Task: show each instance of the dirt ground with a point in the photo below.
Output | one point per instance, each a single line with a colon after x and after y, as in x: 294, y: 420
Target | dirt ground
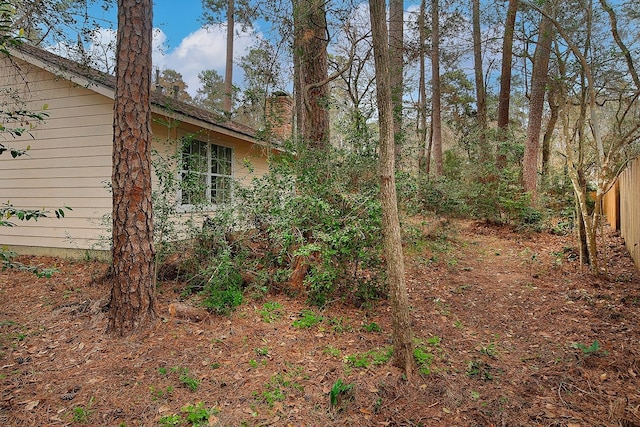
x: 511, y: 330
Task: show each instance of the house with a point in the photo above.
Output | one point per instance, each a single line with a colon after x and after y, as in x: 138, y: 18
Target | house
x: 70, y: 156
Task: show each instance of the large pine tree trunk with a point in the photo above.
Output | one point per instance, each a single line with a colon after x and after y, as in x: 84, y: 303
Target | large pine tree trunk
x: 227, y: 99
x: 311, y: 47
x: 505, y: 80
x: 436, y: 116
x: 402, y: 335
x: 423, y: 165
x: 536, y: 105
x: 133, y: 292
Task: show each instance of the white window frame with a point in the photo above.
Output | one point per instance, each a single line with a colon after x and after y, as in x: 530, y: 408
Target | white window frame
x: 211, y: 175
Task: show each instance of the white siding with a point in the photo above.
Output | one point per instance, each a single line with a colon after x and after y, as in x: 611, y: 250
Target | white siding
x: 68, y: 163
x: 69, y: 160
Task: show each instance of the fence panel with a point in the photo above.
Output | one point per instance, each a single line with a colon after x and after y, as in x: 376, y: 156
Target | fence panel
x: 630, y: 209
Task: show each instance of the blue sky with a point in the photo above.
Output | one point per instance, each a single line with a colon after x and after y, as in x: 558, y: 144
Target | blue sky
x: 180, y: 40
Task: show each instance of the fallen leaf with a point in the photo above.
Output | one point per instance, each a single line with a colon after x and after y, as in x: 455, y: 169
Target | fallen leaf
x: 30, y: 405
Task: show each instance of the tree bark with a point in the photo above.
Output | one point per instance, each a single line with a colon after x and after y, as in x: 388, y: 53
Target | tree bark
x: 554, y: 108
x: 402, y: 334
x: 311, y: 42
x: 505, y: 81
x: 396, y: 69
x: 536, y: 105
x: 436, y: 95
x: 133, y: 302
x: 481, y: 94
x: 227, y: 99
x: 423, y: 166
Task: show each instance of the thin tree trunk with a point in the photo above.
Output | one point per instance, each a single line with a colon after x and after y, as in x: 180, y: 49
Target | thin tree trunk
x: 539, y: 76
x: 423, y: 167
x: 396, y: 68
x: 505, y: 81
x: 402, y: 335
x: 554, y: 108
x: 481, y: 94
x: 133, y: 299
x: 227, y: 99
x: 623, y: 47
x: 436, y: 116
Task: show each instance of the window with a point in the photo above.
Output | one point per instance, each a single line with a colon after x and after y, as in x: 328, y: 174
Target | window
x: 206, y: 173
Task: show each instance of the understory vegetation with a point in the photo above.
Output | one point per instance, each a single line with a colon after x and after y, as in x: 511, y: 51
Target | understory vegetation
x: 311, y: 226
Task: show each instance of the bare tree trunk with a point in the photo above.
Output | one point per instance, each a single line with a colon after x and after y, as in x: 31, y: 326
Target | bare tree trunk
x: 505, y: 81
x: 402, y: 334
x: 227, y: 99
x: 133, y: 302
x: 481, y: 94
x: 423, y: 167
x: 436, y: 116
x: 311, y: 41
x: 554, y: 108
x: 623, y: 47
x: 536, y: 105
x: 396, y: 68
x: 298, y: 101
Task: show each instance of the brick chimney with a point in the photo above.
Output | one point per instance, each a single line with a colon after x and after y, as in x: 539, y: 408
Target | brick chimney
x: 279, y: 110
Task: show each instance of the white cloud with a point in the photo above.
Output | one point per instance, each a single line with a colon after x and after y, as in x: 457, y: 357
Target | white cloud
x: 203, y: 49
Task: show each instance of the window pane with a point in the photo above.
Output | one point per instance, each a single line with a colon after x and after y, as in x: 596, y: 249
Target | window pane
x: 194, y: 168
x: 220, y: 189
x: 221, y: 160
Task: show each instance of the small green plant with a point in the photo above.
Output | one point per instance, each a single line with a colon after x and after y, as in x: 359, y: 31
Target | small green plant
x: 81, y: 414
x: 253, y: 363
x: 273, y: 395
x: 271, y: 311
x: 162, y: 371
x: 340, y: 324
x: 382, y: 356
x: 331, y: 351
x: 186, y: 379
x: 358, y: 360
x: 263, y: 351
x: 372, y: 327
x: 489, y: 350
x: 279, y: 383
x: 198, y: 415
x: 423, y: 360
x: 423, y: 353
x: 170, y: 420
x: 376, y: 357
x: 340, y: 393
x: 308, y: 319
x: 593, y: 349
x: 157, y: 394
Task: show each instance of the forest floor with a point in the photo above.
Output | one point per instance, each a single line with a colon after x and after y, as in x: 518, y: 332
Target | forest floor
x: 512, y: 331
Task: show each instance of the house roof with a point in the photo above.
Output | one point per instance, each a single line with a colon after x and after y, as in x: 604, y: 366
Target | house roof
x: 105, y: 84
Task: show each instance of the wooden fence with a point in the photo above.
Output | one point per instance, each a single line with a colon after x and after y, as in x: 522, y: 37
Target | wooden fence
x: 622, y: 208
